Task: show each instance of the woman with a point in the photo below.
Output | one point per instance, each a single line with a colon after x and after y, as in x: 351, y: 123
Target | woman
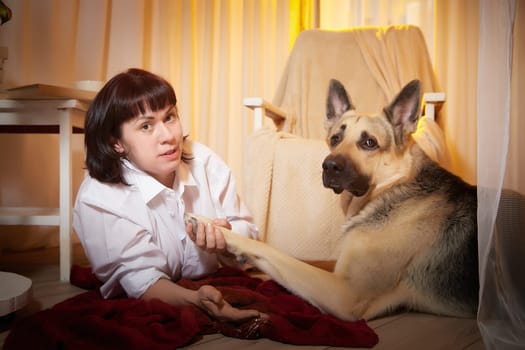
x: 144, y: 174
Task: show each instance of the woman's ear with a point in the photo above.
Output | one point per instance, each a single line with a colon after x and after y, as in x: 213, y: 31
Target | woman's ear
x: 118, y: 147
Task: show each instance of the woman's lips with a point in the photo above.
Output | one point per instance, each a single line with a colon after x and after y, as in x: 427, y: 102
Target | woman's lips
x: 170, y: 154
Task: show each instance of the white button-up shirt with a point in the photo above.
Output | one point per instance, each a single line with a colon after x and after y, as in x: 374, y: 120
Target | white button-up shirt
x: 134, y: 235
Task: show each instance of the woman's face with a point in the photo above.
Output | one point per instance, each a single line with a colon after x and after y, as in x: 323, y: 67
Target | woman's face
x: 153, y: 143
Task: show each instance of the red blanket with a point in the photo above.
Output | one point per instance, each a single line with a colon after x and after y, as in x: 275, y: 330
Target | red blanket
x: 87, y: 321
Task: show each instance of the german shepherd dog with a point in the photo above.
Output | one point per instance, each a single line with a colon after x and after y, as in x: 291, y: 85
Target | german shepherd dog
x: 412, y: 242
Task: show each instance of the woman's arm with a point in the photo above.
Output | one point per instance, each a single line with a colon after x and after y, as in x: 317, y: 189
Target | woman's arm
x: 208, y: 298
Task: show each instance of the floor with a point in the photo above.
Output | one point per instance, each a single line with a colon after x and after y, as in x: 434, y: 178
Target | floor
x: 402, y: 331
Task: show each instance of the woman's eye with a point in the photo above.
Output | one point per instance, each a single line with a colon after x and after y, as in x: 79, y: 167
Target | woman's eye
x: 145, y: 127
x: 171, y: 117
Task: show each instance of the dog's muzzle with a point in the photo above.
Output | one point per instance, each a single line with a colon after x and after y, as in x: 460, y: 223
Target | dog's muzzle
x: 339, y: 174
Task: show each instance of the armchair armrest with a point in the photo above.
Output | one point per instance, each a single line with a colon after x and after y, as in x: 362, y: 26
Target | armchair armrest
x: 433, y: 102
x: 262, y: 108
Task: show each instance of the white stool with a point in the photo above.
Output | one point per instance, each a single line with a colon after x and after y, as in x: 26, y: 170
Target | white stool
x: 15, y: 292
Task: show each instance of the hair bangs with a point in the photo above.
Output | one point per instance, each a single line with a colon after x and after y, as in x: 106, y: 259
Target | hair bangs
x: 139, y: 95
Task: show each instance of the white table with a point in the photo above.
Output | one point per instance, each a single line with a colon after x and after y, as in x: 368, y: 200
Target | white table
x: 48, y: 109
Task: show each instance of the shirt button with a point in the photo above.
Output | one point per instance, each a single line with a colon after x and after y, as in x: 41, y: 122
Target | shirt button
x: 172, y: 213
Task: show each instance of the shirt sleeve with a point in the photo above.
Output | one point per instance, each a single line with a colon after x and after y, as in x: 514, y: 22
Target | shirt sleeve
x: 122, y: 254
x: 227, y: 201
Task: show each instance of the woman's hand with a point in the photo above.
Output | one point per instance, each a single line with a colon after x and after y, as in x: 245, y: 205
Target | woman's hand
x: 207, y: 298
x: 211, y: 301
x: 208, y: 236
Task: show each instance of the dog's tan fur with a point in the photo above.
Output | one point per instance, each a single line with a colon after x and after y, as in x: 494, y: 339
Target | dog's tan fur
x: 409, y: 239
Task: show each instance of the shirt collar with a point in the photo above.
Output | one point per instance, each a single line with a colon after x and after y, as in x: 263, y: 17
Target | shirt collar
x: 149, y: 187
x: 184, y: 178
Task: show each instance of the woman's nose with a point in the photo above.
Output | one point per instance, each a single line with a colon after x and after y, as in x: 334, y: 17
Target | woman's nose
x: 165, y: 133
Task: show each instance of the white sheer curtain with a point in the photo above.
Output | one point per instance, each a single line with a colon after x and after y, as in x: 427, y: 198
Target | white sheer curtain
x: 501, y: 247
x: 336, y: 14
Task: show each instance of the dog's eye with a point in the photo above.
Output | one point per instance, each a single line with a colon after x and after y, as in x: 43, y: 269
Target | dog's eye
x: 368, y: 143
x: 371, y: 143
x: 335, y: 140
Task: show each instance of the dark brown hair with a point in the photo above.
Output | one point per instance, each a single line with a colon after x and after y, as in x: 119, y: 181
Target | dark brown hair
x: 122, y: 98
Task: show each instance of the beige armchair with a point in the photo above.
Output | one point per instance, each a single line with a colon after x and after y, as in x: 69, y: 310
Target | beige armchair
x: 282, y: 169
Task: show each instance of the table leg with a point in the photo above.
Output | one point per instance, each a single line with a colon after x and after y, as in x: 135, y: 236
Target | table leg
x: 65, y: 181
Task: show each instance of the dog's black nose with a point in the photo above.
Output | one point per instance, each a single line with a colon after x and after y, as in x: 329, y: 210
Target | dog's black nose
x: 333, y: 169
x: 333, y: 165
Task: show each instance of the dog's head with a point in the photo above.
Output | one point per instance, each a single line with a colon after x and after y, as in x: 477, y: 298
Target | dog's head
x: 368, y: 150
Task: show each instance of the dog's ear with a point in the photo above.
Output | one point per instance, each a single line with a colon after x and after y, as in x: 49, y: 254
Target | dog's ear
x: 403, y: 112
x: 337, y: 102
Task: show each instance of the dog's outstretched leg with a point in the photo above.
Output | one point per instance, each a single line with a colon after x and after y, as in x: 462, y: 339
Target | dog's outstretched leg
x: 329, y: 292
x: 325, y: 290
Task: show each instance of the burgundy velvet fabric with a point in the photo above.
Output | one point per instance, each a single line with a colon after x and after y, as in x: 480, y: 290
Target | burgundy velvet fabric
x: 87, y: 321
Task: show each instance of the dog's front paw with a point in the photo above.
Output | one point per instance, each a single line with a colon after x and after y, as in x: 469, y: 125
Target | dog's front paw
x: 194, y: 219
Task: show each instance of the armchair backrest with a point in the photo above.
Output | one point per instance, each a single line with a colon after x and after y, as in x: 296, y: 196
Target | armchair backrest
x: 373, y: 63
